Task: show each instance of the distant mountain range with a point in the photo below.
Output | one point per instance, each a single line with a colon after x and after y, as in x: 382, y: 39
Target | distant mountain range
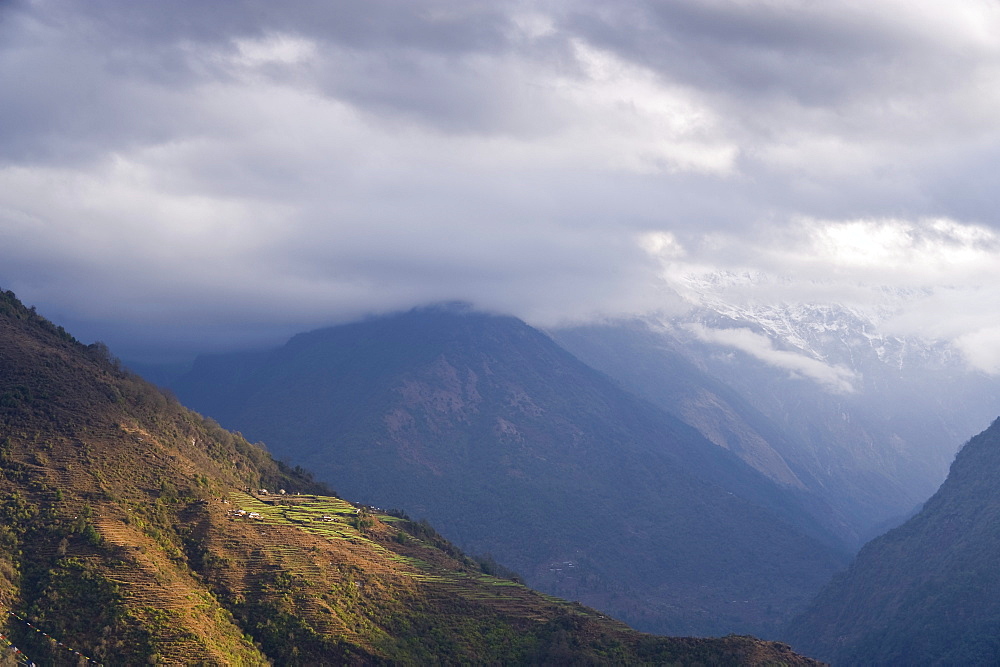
x: 133, y: 531
x: 926, y: 593
x: 816, y: 397
x: 513, y: 447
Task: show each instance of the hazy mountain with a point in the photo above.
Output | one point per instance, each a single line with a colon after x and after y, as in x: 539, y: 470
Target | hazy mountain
x: 638, y: 356
x: 813, y: 396
x: 127, y: 536
x: 926, y: 592
x: 511, y: 446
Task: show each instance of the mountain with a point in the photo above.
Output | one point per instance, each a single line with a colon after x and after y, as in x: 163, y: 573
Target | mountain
x: 513, y: 447
x: 133, y: 531
x: 637, y: 356
x: 925, y: 593
x: 815, y: 396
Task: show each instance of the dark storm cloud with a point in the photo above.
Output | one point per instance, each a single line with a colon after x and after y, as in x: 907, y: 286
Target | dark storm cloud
x: 445, y: 27
x: 883, y: 77
x: 201, y: 174
x: 85, y: 78
x: 819, y: 54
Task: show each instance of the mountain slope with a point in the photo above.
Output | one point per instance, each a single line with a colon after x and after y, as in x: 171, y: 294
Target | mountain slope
x: 666, y: 370
x: 926, y: 592
x: 513, y: 447
x: 812, y: 396
x: 637, y: 357
x: 128, y: 535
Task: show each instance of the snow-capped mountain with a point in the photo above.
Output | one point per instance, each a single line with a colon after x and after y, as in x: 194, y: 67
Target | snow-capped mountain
x: 830, y: 332
x: 817, y: 396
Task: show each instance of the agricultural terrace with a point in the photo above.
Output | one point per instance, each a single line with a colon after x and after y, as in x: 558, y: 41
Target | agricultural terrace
x: 339, y: 520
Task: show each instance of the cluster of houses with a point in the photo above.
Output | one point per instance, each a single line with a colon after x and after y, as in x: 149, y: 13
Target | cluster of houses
x: 559, y: 567
x: 265, y: 492
x: 243, y: 514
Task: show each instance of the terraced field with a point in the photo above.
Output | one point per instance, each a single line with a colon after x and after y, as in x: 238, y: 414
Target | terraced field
x: 167, y: 597
x: 337, y: 520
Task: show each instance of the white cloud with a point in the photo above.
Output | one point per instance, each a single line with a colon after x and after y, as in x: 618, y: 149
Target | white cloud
x: 639, y: 121
x: 982, y: 349
x: 837, y: 379
x: 663, y: 245
x: 873, y: 252
x: 275, y: 48
x: 934, y: 279
x: 926, y: 251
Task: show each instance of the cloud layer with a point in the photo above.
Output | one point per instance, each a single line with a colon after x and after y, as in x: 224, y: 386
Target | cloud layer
x: 836, y: 379
x: 204, y: 176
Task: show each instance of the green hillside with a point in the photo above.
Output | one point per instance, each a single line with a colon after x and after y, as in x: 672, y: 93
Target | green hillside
x: 133, y: 531
x: 925, y: 593
x: 512, y: 447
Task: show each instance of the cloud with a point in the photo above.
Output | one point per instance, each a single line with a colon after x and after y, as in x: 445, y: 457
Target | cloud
x: 244, y: 167
x: 982, y: 348
x: 878, y: 252
x: 932, y: 279
x: 836, y: 379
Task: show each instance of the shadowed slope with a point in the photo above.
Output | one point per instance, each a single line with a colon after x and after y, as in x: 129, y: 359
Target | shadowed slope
x: 926, y: 592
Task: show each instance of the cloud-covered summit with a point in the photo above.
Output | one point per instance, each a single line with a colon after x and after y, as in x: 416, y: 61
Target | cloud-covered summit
x: 204, y: 175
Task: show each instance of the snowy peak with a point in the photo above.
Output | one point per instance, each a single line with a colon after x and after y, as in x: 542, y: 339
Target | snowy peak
x: 836, y: 334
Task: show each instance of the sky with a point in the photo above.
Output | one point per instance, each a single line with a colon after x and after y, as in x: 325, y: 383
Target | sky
x: 201, y: 176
